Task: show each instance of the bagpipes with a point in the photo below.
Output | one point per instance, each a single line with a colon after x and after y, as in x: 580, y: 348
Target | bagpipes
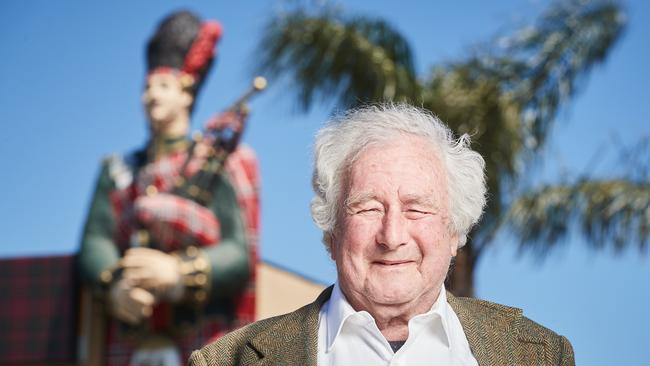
x: 220, y: 138
x: 180, y: 217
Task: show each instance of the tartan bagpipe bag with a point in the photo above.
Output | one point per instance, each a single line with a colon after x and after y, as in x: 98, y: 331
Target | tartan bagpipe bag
x: 174, y: 222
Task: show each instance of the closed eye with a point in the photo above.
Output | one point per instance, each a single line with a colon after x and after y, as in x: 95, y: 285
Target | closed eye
x: 368, y: 210
x: 415, y: 214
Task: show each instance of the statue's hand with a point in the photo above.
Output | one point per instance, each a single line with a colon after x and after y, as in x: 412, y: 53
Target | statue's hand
x: 154, y: 271
x: 128, y: 303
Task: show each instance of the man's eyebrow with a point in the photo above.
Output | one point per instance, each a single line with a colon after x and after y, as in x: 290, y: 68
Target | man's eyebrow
x: 417, y: 199
x: 359, y: 198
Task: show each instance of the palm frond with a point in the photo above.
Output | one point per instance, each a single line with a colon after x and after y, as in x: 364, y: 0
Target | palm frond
x: 356, y: 60
x: 544, y: 64
x: 607, y: 211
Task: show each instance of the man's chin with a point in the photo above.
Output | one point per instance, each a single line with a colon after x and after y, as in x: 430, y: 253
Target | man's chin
x: 393, y: 295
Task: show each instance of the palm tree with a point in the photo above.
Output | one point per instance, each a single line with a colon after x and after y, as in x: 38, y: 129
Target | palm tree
x: 505, y: 96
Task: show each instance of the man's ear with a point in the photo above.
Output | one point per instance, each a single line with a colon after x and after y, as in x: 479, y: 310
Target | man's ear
x: 330, y: 240
x: 453, y: 245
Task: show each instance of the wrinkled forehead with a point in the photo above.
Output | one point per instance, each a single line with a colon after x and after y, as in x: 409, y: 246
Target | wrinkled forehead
x: 428, y: 149
x: 411, y: 160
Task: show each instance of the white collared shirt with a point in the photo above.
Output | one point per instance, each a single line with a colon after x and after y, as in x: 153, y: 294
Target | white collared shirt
x: 349, y: 337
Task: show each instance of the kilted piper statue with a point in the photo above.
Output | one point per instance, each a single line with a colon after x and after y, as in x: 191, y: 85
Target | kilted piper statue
x: 169, y: 241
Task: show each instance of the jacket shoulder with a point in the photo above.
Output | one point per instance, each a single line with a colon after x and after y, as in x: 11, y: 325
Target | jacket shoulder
x: 235, y: 348
x: 481, y: 311
x: 505, y: 319
x: 513, y: 317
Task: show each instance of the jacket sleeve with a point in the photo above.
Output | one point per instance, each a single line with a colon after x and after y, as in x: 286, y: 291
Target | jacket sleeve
x: 98, y: 250
x: 229, y: 259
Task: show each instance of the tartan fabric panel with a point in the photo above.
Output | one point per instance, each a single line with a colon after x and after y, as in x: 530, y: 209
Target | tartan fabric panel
x: 243, y: 171
x: 242, y: 168
x: 38, y: 311
x: 175, y: 222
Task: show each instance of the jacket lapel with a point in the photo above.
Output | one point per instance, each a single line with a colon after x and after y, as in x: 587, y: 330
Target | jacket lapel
x: 294, y: 341
x: 489, y: 329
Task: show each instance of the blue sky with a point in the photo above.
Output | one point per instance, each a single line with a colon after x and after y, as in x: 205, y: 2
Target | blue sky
x: 72, y: 73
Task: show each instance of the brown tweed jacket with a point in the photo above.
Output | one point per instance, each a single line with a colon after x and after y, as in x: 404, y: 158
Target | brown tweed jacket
x: 497, y: 334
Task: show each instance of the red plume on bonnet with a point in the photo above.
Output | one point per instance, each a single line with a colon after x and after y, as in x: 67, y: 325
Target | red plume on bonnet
x: 203, y: 48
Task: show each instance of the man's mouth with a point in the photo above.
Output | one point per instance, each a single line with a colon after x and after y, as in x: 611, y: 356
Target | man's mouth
x: 392, y: 262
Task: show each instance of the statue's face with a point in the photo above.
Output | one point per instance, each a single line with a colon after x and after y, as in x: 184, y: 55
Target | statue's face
x: 167, y: 104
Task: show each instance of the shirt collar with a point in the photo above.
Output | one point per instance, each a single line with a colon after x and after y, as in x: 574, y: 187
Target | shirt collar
x: 339, y: 311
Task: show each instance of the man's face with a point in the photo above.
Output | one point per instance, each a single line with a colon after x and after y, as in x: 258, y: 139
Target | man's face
x: 165, y: 101
x: 393, y: 246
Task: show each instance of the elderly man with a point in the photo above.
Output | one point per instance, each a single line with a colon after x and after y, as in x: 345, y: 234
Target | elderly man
x: 395, y: 197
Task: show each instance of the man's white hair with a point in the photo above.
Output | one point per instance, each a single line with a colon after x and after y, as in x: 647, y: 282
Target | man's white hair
x: 340, y: 142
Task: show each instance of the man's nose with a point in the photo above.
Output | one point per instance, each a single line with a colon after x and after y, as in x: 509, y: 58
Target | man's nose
x: 394, y: 231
